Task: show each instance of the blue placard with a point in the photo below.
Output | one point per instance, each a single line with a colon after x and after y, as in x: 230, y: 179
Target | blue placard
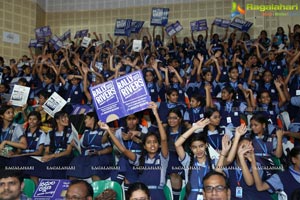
x: 120, y: 97
x: 43, y: 32
x: 177, y: 26
x: 123, y: 27
x: 66, y: 35
x: 48, y: 189
x: 224, y: 23
x: 199, y: 25
x: 174, y: 28
x: 136, y: 26
x: 241, y: 24
x: 32, y: 43
x: 159, y: 16
x: 81, y: 33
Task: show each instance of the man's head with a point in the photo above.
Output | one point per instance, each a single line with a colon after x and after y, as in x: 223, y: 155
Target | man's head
x: 216, y: 186
x: 80, y: 189
x: 11, y: 185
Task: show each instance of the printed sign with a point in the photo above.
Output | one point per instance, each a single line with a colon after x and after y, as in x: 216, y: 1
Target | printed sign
x: 224, y: 23
x: 159, y: 16
x: 54, y: 104
x: 19, y: 95
x: 174, y: 28
x: 136, y: 26
x: 200, y: 25
x: 123, y: 27
x: 48, y: 189
x: 66, y: 35
x: 43, y: 32
x: 120, y: 97
x: 32, y: 43
x: 137, y: 45
x: 241, y: 24
x: 81, y: 33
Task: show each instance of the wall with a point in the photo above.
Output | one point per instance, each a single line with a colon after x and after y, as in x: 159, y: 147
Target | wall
x: 18, y: 16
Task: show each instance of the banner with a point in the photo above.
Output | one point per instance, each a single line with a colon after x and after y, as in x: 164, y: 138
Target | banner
x: 241, y: 24
x: 159, y: 16
x: 174, y: 28
x: 81, y: 33
x: 136, y: 26
x: 48, y: 189
x: 123, y: 27
x: 199, y: 25
x: 224, y: 23
x: 43, y: 32
x: 120, y: 97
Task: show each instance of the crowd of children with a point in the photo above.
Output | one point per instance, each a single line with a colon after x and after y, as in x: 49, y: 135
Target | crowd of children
x: 214, y: 106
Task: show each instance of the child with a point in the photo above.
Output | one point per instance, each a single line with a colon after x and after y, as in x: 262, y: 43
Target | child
x: 198, y: 163
x: 152, y: 163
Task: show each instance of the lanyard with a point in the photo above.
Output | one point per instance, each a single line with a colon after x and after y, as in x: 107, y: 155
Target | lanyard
x: 212, y: 141
x: 263, y: 146
x: 72, y: 90
x: 130, y: 143
x: 199, y: 173
x: 60, y: 144
x: 3, y: 137
x: 238, y: 176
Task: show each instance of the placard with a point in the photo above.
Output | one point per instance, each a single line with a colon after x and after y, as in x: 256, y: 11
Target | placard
x: 123, y: 27
x: 241, y: 24
x: 120, y: 97
x: 49, y: 189
x: 43, y: 32
x: 66, y: 35
x: 54, y: 104
x: 85, y: 42
x: 199, y: 25
x: 81, y: 33
x: 136, y: 26
x: 174, y: 28
x: 32, y: 43
x: 224, y: 23
x: 19, y: 95
x: 137, y: 45
x: 159, y: 16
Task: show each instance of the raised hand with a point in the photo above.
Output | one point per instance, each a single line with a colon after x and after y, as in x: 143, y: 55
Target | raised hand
x: 202, y: 123
x: 241, y: 130
x: 226, y: 144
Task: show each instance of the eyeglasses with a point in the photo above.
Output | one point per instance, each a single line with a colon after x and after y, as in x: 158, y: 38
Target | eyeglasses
x: 218, y: 188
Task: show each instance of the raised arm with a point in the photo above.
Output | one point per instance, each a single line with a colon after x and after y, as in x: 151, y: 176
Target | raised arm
x: 130, y: 155
x: 179, y: 142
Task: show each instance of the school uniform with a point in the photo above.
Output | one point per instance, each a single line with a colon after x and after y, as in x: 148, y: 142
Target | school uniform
x: 154, y: 174
x: 230, y: 112
x: 89, y: 165
x: 198, y: 171
x: 287, y: 181
x: 14, y: 133
x: 271, y: 88
x: 276, y: 67
x: 73, y: 93
x: 55, y: 168
x: 193, y: 115
x: 192, y: 87
x: 153, y: 90
x: 214, y: 91
x: 239, y: 188
x: 239, y: 95
x: 269, y: 111
x: 165, y: 107
x: 214, y: 138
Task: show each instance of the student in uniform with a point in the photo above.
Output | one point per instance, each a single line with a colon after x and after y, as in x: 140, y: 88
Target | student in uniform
x: 172, y: 102
x: 130, y: 135
x: 199, y: 162
x: 213, y: 131
x: 151, y: 163
x: 73, y: 89
x: 95, y: 155
x: 58, y: 150
x: 230, y: 109
x: 265, y: 145
x: 138, y: 190
x: 12, y: 138
x: 287, y: 180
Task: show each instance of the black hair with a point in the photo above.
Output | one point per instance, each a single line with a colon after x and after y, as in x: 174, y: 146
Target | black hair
x: 45, y: 94
x: 89, y: 188
x: 39, y: 118
x: 12, y: 173
x: 58, y: 115
x: 137, y: 186
x: 95, y: 116
x: 199, y: 98
x: 171, y: 90
x: 3, y: 109
x: 215, y: 173
x: 207, y: 114
x: 260, y: 118
x: 294, y: 153
x: 23, y: 80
